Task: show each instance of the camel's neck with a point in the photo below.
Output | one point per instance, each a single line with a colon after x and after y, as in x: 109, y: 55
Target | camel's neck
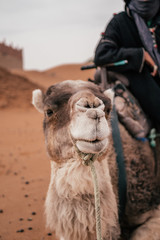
x: 71, y: 187
x: 73, y: 178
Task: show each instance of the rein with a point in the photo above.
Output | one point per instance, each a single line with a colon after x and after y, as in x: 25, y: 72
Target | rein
x: 88, y: 160
x: 122, y: 181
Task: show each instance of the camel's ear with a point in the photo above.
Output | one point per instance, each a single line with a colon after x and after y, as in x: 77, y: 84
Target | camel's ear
x: 37, y: 100
x: 110, y: 94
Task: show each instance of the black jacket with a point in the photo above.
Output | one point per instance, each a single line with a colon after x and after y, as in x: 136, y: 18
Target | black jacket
x: 121, y: 41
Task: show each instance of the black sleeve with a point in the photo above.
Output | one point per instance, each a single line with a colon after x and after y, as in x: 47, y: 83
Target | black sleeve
x: 110, y: 50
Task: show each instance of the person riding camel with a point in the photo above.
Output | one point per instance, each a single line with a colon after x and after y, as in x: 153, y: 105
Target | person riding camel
x: 134, y: 36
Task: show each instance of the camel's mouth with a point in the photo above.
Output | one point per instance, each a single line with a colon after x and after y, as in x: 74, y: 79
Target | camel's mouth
x: 95, y: 146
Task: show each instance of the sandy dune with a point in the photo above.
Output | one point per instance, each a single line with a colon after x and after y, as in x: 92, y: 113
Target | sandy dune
x: 24, y: 164
x: 56, y: 74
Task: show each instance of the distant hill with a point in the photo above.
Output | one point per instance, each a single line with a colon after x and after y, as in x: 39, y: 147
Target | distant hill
x: 56, y: 74
x: 15, y: 91
x: 17, y: 85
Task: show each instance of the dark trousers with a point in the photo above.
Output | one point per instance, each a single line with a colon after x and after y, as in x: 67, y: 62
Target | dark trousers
x: 147, y: 91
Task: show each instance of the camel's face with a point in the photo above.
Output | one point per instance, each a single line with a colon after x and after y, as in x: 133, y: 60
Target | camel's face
x: 76, y: 113
x: 88, y: 126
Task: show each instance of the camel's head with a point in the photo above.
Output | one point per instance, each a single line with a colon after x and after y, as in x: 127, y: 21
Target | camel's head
x: 76, y: 113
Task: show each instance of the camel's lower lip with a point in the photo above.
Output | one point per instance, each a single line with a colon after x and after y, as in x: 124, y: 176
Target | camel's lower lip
x: 95, y: 146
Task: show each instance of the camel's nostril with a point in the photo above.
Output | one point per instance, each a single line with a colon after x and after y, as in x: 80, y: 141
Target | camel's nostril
x: 84, y: 104
x: 89, y: 105
x: 97, y: 102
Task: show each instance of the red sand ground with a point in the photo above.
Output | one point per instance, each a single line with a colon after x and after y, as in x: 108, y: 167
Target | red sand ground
x: 24, y: 164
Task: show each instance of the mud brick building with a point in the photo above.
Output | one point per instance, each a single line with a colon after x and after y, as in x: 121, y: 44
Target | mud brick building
x: 10, y: 57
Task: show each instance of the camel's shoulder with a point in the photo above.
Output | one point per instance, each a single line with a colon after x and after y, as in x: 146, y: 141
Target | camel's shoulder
x: 143, y: 191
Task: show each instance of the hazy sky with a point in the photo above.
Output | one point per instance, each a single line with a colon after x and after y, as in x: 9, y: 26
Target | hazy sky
x: 53, y: 32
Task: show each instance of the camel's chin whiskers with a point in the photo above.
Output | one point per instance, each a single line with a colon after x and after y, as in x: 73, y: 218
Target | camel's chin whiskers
x: 92, y: 146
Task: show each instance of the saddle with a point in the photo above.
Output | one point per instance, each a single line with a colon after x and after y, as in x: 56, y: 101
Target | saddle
x: 129, y: 111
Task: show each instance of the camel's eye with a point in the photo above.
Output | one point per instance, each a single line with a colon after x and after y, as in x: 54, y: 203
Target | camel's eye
x: 49, y: 112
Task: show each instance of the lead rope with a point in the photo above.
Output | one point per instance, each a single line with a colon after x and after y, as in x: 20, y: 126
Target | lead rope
x: 97, y: 201
x: 88, y: 160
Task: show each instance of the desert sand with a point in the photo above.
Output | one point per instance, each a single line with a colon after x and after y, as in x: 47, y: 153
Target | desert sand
x: 24, y: 164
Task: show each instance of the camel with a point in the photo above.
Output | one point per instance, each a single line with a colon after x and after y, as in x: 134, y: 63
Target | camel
x: 77, y: 118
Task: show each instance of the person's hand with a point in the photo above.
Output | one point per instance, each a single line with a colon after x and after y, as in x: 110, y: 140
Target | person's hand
x: 148, y: 59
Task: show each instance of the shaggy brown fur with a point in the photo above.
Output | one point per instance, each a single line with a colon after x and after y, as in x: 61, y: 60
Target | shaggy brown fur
x: 70, y: 200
